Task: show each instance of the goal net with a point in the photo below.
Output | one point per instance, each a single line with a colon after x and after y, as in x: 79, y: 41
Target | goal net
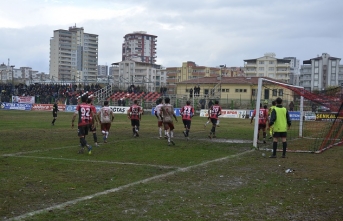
x: 316, y: 116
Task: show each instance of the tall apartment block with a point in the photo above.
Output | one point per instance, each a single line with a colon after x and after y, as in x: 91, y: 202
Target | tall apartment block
x: 74, y: 55
x: 140, y: 47
x: 320, y: 72
x: 268, y: 66
x: 102, y: 71
x: 294, y: 70
x: 148, y: 76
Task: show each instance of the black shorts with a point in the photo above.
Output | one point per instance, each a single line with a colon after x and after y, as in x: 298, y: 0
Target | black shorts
x: 214, y: 121
x: 187, y: 123
x: 82, y: 130
x: 54, y: 114
x: 91, y: 127
x: 134, y: 122
x: 280, y: 134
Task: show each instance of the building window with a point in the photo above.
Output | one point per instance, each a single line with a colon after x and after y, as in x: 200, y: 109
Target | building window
x: 333, y: 63
x: 261, y: 68
x: 261, y: 62
x: 316, y: 70
x: 271, y: 62
x: 333, y: 70
x: 315, y: 83
x: 266, y: 94
x: 240, y: 90
x: 316, y: 63
x: 271, y: 69
x: 316, y: 76
x: 253, y: 92
x: 227, y: 90
x: 274, y: 92
x: 281, y: 92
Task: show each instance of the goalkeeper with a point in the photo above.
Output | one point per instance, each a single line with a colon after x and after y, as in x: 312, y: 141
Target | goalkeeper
x: 281, y: 121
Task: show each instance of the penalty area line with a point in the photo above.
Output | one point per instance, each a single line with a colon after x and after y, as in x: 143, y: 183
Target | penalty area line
x: 100, y: 161
x: 81, y: 199
x: 35, y: 151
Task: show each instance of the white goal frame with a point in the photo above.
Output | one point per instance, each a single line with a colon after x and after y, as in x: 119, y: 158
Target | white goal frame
x: 257, y: 108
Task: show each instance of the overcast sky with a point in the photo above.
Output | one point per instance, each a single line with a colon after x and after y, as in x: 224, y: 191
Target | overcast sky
x: 208, y: 32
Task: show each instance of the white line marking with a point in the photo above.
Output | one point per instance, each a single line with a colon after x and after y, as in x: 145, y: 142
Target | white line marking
x: 101, y: 161
x: 59, y: 148
x: 62, y: 205
x: 35, y: 151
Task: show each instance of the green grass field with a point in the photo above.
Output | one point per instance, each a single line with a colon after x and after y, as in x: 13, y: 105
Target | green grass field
x: 43, y: 178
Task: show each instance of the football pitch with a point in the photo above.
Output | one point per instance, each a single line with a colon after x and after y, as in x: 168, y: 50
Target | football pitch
x: 142, y: 178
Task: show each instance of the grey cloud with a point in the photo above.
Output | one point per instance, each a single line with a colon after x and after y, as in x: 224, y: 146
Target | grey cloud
x: 209, y: 32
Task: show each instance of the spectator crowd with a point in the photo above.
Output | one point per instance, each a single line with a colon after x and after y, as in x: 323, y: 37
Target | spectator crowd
x: 46, y: 93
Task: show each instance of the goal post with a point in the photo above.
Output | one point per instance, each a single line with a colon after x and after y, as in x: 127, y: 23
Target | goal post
x: 258, y: 101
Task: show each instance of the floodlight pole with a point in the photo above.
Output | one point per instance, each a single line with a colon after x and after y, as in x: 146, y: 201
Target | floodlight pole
x: 12, y: 66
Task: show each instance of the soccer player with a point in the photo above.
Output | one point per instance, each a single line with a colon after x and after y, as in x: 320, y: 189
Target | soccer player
x: 54, y: 113
x: 84, y: 112
x: 187, y: 112
x: 214, y: 112
x: 209, y: 120
x: 134, y: 113
x: 262, y: 121
x: 93, y: 121
x: 269, y: 113
x: 167, y: 111
x: 281, y: 121
x: 159, y: 118
x: 106, y: 117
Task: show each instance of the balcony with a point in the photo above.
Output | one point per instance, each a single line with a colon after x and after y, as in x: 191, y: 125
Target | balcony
x: 64, y: 50
x: 65, y: 35
x: 65, y: 63
x: 250, y: 65
x: 199, y: 74
x: 281, y: 65
x: 64, y: 59
x: 282, y: 71
x: 250, y: 71
x: 171, y: 74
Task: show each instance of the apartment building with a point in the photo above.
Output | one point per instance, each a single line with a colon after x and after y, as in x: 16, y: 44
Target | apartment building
x: 147, y: 76
x: 140, y: 47
x: 268, y: 66
x: 74, y: 55
x: 321, y: 72
x: 102, y: 71
x: 294, y: 70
